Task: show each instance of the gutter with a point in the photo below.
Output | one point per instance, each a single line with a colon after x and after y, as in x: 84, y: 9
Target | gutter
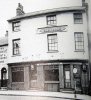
x: 48, y: 11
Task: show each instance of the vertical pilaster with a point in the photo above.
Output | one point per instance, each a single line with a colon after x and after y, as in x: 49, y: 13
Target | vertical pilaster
x: 9, y: 78
x: 61, y: 76
x: 40, y: 77
x: 72, y: 78
x: 26, y: 77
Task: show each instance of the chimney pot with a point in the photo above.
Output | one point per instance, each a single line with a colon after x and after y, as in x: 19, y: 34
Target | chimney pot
x: 19, y: 10
x: 6, y: 35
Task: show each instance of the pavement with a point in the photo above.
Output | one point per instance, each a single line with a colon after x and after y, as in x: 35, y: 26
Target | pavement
x: 36, y: 93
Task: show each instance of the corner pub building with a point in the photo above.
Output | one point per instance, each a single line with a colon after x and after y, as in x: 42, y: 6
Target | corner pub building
x: 48, y: 49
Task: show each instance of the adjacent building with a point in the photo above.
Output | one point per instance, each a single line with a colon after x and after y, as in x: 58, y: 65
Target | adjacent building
x: 88, y: 3
x: 3, y: 61
x: 48, y: 50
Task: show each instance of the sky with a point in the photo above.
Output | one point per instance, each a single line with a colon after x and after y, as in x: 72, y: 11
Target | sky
x: 8, y: 8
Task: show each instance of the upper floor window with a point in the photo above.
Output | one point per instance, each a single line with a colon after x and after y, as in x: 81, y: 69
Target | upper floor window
x: 79, y: 41
x: 16, y: 46
x: 52, y: 42
x: 51, y: 20
x: 78, y: 18
x: 16, y: 26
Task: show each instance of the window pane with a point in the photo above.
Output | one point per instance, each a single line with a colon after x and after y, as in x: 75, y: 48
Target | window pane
x: 51, y: 73
x: 78, y: 18
x: 67, y: 74
x: 16, y: 47
x: 17, y: 74
x: 51, y: 20
x: 79, y: 41
x: 52, y: 42
x: 16, y: 26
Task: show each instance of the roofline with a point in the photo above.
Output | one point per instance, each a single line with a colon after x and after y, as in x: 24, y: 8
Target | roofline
x: 48, y: 11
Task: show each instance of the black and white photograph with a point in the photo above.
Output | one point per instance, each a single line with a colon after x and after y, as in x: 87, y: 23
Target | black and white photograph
x: 45, y: 49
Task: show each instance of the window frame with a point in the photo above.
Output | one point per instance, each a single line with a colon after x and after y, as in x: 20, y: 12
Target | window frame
x: 50, y: 71
x: 79, y: 43
x: 78, y: 18
x: 51, y: 20
x: 50, y: 50
x: 15, y: 70
x: 14, y: 48
x: 15, y: 27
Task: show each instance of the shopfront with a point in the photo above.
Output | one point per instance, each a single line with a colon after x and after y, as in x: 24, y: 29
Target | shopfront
x: 49, y: 77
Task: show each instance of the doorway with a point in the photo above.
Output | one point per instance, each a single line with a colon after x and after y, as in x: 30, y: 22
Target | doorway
x: 3, y: 77
x: 67, y: 76
x: 33, y: 77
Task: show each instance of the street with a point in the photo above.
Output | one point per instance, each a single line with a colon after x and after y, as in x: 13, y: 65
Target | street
x: 39, y: 95
x: 8, y: 97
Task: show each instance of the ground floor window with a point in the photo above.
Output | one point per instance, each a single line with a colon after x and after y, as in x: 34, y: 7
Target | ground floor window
x: 51, y: 72
x: 17, y: 74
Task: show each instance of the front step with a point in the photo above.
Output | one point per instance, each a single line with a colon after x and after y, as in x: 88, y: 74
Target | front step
x: 67, y: 90
x: 3, y: 88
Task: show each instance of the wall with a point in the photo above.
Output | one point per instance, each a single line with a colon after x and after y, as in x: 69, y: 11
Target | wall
x: 34, y: 45
x: 3, y: 58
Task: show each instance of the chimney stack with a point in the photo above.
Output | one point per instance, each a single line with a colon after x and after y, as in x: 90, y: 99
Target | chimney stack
x: 83, y: 2
x: 19, y: 10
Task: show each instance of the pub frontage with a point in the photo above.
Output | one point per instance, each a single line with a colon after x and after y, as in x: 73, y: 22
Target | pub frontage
x: 48, y: 51
x: 49, y: 76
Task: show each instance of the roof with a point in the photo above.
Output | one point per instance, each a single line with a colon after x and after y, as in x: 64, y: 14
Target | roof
x: 3, y: 41
x: 48, y: 11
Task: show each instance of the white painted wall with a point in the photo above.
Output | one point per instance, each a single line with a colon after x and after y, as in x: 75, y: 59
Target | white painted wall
x: 34, y: 46
x: 3, y: 62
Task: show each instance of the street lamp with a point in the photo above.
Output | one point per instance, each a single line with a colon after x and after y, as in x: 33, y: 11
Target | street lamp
x: 75, y: 71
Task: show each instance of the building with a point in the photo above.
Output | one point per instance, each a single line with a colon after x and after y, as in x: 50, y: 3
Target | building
x: 88, y: 3
x: 3, y: 61
x: 48, y: 50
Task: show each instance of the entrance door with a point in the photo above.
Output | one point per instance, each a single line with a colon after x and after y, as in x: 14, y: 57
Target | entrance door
x: 67, y: 77
x: 33, y: 77
x: 3, y: 77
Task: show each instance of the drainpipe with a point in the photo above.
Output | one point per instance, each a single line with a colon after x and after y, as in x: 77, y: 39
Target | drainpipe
x: 88, y: 34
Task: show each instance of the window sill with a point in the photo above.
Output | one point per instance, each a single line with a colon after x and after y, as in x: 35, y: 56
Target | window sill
x: 79, y: 51
x: 51, y: 81
x: 51, y: 25
x: 17, y: 82
x: 15, y: 55
x: 78, y: 23
x: 52, y: 51
x: 17, y: 31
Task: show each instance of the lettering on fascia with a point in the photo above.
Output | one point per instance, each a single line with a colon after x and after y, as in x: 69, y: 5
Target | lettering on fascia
x: 62, y: 28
